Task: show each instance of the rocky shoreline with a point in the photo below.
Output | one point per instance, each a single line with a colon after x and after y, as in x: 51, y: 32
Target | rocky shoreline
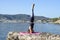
x: 41, y: 36
x: 57, y: 22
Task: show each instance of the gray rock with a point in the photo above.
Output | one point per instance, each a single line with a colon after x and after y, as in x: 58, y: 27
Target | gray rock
x: 41, y: 36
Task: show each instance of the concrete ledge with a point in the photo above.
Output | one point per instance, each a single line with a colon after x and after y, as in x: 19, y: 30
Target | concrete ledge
x: 41, y: 36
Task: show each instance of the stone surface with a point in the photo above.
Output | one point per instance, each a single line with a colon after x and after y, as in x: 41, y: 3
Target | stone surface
x: 41, y: 36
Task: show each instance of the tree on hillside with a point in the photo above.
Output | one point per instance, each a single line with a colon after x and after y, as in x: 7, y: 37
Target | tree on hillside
x: 55, y: 19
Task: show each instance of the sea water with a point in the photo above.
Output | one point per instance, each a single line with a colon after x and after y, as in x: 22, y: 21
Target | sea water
x: 23, y: 27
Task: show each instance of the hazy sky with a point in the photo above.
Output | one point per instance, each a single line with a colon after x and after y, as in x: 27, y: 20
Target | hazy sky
x: 47, y: 8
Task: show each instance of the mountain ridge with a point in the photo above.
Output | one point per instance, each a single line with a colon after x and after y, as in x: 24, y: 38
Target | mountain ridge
x: 21, y: 17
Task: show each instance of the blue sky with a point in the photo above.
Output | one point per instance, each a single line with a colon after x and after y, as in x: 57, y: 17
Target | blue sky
x: 47, y: 8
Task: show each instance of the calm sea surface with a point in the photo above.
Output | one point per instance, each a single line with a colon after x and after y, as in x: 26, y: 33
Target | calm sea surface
x: 23, y: 27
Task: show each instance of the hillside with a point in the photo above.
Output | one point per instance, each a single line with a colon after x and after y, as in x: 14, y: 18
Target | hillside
x: 21, y: 17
